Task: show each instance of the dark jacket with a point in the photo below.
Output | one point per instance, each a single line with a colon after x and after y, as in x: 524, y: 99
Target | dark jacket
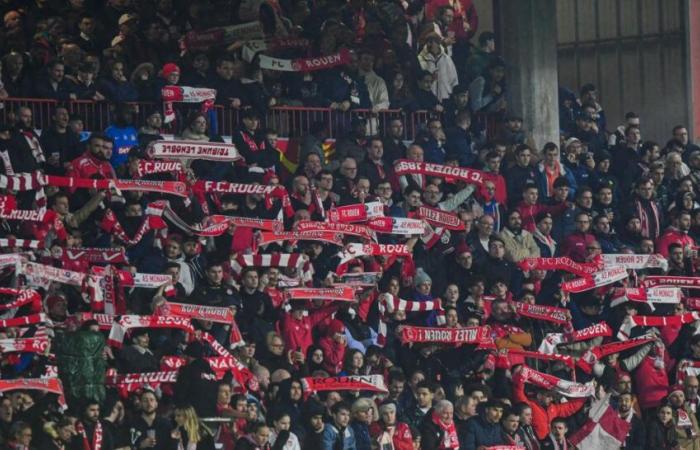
x: 479, y: 432
x: 196, y: 384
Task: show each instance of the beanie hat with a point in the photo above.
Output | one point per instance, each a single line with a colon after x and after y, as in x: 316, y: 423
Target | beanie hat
x: 169, y: 69
x: 336, y: 326
x: 421, y: 277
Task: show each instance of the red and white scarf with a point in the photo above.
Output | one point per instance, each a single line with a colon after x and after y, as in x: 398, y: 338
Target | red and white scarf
x: 595, y: 354
x: 397, y: 225
x: 646, y: 220
x: 210, y: 151
x: 353, y: 251
x: 596, y: 280
x: 470, y: 335
x: 388, y: 304
x: 654, y: 321
x: 663, y: 280
x: 344, y: 228
x: 450, y: 174
x: 152, y: 167
x: 331, y: 237
x: 96, y: 437
x: 440, y: 218
x: 550, y: 342
x: 164, y: 187
x: 358, y: 212
x: 564, y: 387
x: 649, y: 296
x: 298, y: 261
x: 252, y: 47
x: 127, y: 322
x: 220, y: 36
x: 152, y: 221
x: 338, y: 293
x: 561, y: 263
x: 371, y: 383
x: 27, y: 244
x: 450, y: 440
x: 30, y: 345
x: 24, y: 297
x: 635, y: 262
x: 305, y: 64
x: 202, y: 312
x: 507, y: 358
x: 185, y: 94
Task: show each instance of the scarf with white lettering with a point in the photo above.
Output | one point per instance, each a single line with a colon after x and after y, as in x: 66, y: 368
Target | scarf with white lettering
x: 331, y: 237
x: 24, y: 297
x: 202, y: 312
x: 371, y: 383
x: 358, y: 212
x: 596, y: 280
x: 345, y: 228
x: 550, y: 342
x: 635, y: 262
x: 210, y: 151
x: 480, y: 336
x: 352, y: 251
x: 127, y: 322
x: 450, y: 174
x: 668, y: 295
x: 663, y: 280
x: 157, y: 166
x: 440, y: 218
x: 564, y: 387
x: 186, y: 94
x: 338, y: 293
x: 561, y: 263
x: 306, y: 64
x: 397, y: 225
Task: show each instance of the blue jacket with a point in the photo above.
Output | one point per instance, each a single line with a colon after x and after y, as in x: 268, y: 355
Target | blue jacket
x: 362, y: 439
x: 478, y: 432
x: 330, y: 434
x: 124, y: 139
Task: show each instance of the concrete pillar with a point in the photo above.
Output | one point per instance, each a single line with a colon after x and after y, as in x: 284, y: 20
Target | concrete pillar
x: 692, y: 36
x: 528, y: 37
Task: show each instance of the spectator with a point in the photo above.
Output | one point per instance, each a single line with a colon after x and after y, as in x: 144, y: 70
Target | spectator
x: 434, y: 59
x: 337, y: 434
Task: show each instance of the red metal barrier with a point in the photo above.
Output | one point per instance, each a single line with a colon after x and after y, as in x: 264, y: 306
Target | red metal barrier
x: 288, y: 121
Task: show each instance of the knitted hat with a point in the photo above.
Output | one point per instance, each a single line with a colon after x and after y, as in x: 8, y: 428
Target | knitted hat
x: 675, y: 388
x: 336, y: 326
x: 421, y: 277
x: 168, y: 69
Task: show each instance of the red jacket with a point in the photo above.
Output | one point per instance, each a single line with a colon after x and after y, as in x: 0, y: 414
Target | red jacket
x: 574, y: 246
x: 87, y: 165
x: 333, y: 354
x: 672, y: 235
x: 528, y: 213
x: 651, y: 382
x: 541, y: 418
x: 401, y: 439
x: 297, y: 333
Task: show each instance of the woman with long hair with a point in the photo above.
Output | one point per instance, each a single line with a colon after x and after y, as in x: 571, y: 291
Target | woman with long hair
x: 190, y: 433
x: 660, y: 430
x: 353, y: 363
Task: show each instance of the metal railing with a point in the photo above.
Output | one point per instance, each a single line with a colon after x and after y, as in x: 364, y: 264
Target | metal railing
x: 288, y: 121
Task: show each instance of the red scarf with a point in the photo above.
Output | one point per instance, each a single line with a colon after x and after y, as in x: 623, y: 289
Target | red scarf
x: 449, y: 440
x: 96, y: 436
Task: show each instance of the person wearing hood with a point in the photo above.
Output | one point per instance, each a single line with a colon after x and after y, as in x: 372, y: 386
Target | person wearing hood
x: 196, y: 382
x: 334, y: 344
x: 434, y: 59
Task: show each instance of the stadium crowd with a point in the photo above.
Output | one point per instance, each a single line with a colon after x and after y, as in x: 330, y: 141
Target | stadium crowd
x: 516, y: 296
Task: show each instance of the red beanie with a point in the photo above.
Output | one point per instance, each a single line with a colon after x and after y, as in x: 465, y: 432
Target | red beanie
x: 336, y: 326
x: 168, y: 69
